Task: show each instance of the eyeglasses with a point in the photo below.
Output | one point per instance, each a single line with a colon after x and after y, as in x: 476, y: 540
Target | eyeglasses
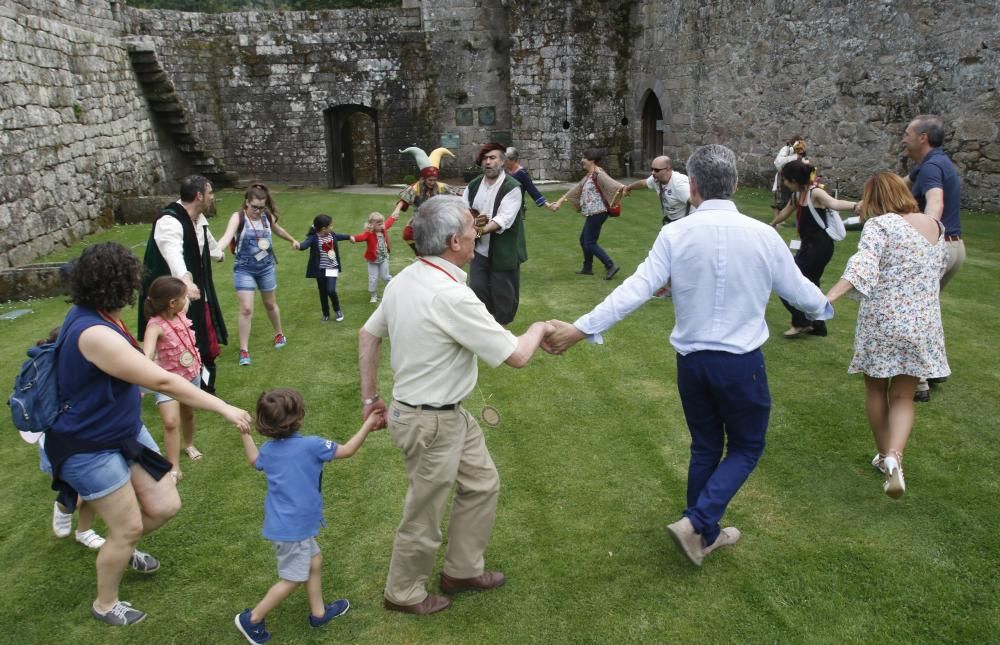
x: 658, y: 169
x: 256, y: 208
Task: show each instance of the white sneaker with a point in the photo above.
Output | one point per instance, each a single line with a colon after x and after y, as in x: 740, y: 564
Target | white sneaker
x: 62, y: 523
x: 373, y: 299
x: 894, y: 485
x: 878, y: 462
x: 90, y: 539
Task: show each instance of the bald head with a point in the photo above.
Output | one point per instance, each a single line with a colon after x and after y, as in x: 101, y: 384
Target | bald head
x: 661, y: 168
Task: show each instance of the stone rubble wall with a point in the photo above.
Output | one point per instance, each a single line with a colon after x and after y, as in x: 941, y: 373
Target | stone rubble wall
x: 849, y: 75
x: 468, y: 63
x: 75, y: 127
x: 569, y: 80
x: 257, y: 84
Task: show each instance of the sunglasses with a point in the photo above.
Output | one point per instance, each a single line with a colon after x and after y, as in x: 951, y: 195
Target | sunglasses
x: 658, y: 169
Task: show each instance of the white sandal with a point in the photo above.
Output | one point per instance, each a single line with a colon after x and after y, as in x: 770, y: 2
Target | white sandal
x: 894, y: 485
x: 90, y: 539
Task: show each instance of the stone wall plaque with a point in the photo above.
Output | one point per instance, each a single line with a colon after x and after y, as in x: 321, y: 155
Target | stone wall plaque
x: 487, y: 115
x: 463, y: 116
x: 449, y: 140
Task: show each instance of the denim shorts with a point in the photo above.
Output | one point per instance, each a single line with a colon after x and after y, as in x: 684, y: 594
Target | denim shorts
x: 98, y: 474
x: 163, y: 398
x: 294, y: 558
x: 255, y: 275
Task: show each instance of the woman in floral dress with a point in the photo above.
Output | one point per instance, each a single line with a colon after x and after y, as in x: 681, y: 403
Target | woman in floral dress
x: 899, y: 337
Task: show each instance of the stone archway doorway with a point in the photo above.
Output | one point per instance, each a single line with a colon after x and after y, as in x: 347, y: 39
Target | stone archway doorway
x: 352, y: 142
x: 652, y: 129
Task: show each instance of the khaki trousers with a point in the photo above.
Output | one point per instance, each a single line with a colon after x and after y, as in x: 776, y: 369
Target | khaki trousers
x: 440, y: 448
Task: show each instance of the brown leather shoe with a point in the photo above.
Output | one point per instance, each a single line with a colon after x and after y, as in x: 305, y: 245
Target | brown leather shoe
x: 488, y: 580
x: 429, y: 605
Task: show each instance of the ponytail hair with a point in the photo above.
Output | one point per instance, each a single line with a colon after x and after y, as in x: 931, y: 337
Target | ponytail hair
x: 160, y: 293
x: 320, y: 221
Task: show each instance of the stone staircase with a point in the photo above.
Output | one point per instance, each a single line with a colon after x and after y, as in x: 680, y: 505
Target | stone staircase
x: 169, y: 112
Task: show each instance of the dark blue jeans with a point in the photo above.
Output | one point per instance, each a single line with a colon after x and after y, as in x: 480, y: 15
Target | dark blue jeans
x: 727, y: 405
x: 588, y: 242
x: 328, y: 290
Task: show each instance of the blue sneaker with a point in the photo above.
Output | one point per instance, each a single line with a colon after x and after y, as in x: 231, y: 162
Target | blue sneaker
x: 253, y: 633
x: 334, y: 609
x: 280, y: 341
x: 244, y: 357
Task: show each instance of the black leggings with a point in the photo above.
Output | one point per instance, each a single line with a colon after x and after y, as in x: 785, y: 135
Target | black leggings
x: 811, y: 259
x: 328, y: 289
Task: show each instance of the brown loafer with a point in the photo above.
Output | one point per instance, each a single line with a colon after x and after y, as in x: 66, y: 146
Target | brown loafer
x: 429, y: 605
x: 485, y: 582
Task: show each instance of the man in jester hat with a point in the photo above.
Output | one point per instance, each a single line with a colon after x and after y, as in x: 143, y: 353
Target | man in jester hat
x: 425, y: 187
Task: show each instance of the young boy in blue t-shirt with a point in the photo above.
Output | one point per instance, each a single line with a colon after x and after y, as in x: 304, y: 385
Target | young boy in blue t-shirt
x: 293, y: 507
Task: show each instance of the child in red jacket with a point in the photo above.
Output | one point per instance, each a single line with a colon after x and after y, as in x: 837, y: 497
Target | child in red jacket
x: 377, y: 252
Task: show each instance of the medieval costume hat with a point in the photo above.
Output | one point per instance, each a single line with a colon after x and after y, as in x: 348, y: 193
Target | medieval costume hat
x: 429, y: 165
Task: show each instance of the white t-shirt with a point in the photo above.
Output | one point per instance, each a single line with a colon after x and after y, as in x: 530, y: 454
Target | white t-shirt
x: 674, y: 195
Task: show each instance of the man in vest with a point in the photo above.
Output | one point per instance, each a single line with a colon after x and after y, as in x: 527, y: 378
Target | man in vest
x: 497, y: 201
x: 181, y: 245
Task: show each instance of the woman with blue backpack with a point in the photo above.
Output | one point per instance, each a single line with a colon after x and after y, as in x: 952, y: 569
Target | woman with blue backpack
x: 97, y: 444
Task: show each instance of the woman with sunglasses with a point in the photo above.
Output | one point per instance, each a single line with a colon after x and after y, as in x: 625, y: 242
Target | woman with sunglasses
x: 249, y: 235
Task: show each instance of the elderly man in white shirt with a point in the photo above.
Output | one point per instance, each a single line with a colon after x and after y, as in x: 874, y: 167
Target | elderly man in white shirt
x: 724, y: 266
x: 180, y: 245
x: 437, y: 328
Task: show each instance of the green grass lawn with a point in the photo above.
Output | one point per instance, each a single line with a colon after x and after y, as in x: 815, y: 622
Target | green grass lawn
x: 592, y: 454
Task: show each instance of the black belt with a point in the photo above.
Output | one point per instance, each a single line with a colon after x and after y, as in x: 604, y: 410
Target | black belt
x: 450, y: 406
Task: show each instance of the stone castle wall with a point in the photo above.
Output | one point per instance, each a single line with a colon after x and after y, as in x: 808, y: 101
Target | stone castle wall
x: 76, y: 131
x: 848, y: 75
x: 569, y: 80
x: 258, y: 84
x: 550, y: 77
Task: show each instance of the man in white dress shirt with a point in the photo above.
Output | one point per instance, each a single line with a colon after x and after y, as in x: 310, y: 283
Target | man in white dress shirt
x: 723, y: 266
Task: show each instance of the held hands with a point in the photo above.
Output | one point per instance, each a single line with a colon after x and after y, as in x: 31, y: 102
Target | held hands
x: 563, y: 336
x: 375, y: 421
x: 378, y: 410
x: 194, y: 293
x: 239, y: 418
x: 295, y: 245
x: 481, y: 220
x: 554, y: 206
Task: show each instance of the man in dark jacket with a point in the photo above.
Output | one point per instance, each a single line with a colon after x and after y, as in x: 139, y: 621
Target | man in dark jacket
x: 181, y: 245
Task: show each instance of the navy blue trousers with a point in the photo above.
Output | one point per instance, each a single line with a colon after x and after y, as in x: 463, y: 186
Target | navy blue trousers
x: 726, y: 404
x: 588, y: 242
x: 328, y: 291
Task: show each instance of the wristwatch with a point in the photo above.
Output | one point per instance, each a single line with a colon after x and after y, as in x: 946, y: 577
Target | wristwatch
x: 371, y: 400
